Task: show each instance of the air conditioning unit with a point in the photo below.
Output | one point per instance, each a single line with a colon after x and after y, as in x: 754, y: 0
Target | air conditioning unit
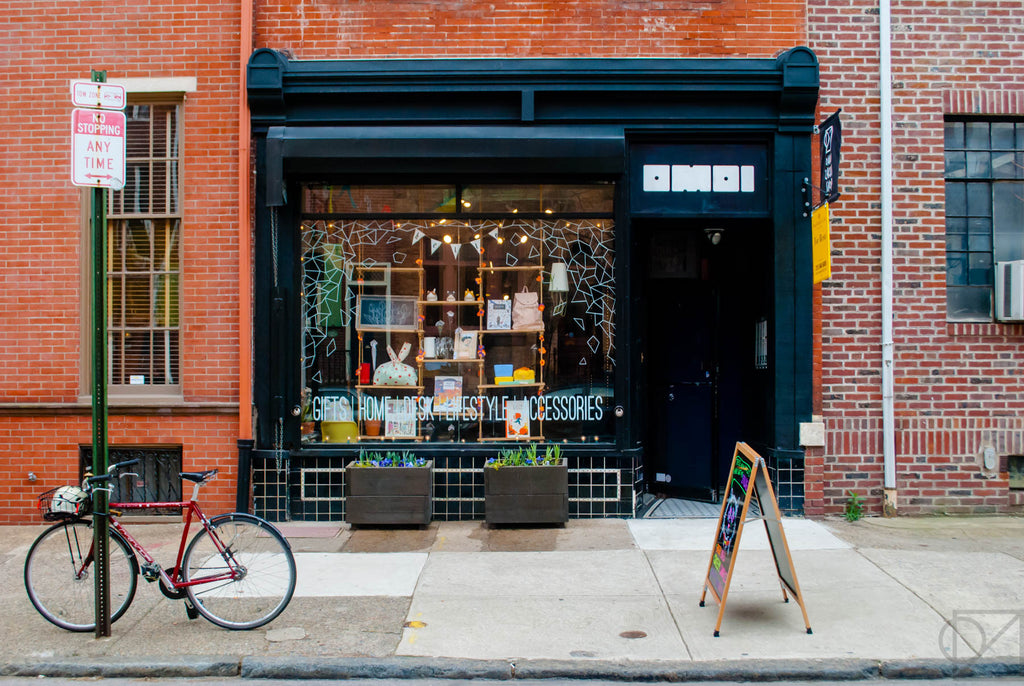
x: 1010, y: 291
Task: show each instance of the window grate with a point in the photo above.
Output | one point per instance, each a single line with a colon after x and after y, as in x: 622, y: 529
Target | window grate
x: 158, y: 472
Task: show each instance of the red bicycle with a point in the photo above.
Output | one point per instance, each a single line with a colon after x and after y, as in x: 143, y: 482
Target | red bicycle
x: 238, y: 571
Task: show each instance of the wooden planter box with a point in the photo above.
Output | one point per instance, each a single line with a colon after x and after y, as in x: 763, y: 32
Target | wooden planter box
x: 527, y: 495
x: 389, y: 495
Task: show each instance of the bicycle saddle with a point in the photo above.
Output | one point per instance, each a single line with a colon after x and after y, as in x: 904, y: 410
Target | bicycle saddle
x: 199, y: 477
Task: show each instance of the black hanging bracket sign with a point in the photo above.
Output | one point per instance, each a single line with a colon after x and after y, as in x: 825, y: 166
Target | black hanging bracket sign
x: 830, y: 140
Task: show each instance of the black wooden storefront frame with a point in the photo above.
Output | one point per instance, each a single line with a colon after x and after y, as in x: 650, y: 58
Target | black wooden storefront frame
x: 541, y: 120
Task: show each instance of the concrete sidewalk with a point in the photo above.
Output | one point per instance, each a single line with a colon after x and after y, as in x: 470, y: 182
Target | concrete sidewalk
x: 606, y: 598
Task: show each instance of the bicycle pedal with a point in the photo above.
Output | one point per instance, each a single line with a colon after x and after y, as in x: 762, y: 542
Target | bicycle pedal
x: 191, y: 611
x: 151, y: 572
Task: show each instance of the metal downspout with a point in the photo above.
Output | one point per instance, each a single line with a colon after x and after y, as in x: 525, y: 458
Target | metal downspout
x: 245, y: 431
x: 885, y: 134
x: 245, y: 416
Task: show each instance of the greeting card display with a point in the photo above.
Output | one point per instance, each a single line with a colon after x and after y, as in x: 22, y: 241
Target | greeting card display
x: 465, y: 345
x: 517, y: 418
x: 447, y: 394
x: 499, y: 315
x: 399, y: 417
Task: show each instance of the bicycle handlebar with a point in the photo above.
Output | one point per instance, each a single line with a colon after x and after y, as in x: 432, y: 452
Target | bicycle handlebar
x: 111, y: 471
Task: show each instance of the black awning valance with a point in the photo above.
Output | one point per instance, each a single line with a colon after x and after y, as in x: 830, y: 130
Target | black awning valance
x: 591, y: 150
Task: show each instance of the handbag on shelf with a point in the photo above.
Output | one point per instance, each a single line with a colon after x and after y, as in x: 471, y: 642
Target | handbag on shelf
x: 395, y: 372
x: 526, y: 313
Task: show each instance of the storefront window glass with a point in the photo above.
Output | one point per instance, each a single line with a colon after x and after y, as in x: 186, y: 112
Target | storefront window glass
x: 348, y: 199
x: 460, y: 329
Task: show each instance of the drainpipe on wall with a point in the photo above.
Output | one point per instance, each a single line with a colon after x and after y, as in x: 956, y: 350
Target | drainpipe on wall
x: 245, y: 431
x: 885, y: 126
x: 245, y: 419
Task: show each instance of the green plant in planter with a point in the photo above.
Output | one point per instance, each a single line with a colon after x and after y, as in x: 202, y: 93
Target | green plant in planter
x: 389, y: 459
x: 517, y: 492
x: 526, y: 457
x: 388, y: 488
x: 854, y: 509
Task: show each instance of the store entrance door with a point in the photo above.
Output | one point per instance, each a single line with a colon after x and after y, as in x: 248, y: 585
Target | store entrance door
x: 682, y: 367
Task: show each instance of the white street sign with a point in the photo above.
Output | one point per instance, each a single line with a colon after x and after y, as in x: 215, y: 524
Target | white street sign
x: 107, y: 96
x: 98, y: 148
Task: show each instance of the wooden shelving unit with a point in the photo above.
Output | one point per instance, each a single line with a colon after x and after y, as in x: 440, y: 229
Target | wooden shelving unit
x: 457, y: 275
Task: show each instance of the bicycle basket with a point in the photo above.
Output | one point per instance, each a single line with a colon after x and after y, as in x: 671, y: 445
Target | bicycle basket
x: 64, y: 502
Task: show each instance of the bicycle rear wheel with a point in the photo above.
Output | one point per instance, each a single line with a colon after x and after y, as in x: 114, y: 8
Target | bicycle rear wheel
x: 59, y: 575
x: 266, y: 566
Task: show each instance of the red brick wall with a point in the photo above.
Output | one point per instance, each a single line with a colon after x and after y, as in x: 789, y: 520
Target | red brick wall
x: 46, y: 45
x: 53, y: 447
x: 530, y: 28
x: 958, y: 387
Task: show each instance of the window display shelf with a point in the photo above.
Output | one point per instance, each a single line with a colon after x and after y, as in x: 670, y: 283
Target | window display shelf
x: 390, y: 438
x: 487, y: 386
x: 497, y: 439
x: 474, y: 303
x: 450, y: 360
x: 508, y: 331
x: 516, y: 268
x: 372, y: 387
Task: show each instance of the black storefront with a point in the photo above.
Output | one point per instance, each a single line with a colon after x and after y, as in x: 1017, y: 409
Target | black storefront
x: 657, y: 209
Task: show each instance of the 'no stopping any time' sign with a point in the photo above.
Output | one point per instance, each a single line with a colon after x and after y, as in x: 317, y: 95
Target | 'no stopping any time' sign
x: 98, y: 148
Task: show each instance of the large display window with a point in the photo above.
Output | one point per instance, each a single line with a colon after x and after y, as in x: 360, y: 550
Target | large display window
x: 458, y: 313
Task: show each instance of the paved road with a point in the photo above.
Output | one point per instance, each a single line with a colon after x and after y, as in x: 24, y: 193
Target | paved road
x: 34, y: 681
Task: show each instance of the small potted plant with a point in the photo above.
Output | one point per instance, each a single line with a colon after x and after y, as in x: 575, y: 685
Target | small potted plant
x: 522, y: 487
x: 388, y: 489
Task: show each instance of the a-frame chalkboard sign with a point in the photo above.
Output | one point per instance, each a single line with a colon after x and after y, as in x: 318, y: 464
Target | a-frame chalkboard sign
x: 748, y: 480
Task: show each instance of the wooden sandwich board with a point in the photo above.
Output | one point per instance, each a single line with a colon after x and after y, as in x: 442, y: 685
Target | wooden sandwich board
x: 748, y: 480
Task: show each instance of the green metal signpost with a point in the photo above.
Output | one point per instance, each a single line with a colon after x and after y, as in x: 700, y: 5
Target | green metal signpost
x: 99, y: 399
x: 98, y: 161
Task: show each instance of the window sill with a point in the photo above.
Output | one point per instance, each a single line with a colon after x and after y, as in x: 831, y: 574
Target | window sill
x: 134, y: 406
x: 984, y: 329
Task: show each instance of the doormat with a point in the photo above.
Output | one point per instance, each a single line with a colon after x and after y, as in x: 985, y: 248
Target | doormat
x: 675, y: 508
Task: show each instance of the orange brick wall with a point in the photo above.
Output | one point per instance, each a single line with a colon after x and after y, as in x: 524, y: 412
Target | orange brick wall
x: 46, y: 45
x: 49, y: 448
x: 530, y: 28
x: 958, y: 386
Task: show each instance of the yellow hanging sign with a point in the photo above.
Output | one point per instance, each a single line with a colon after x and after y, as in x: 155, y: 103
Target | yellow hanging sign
x: 821, y: 248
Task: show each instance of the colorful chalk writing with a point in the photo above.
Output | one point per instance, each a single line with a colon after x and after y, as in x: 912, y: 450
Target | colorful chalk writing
x: 725, y: 543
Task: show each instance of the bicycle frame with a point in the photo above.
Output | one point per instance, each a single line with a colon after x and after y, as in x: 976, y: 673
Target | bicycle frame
x: 190, y: 509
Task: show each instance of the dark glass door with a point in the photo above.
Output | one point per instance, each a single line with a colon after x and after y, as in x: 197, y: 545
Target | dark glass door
x: 681, y: 361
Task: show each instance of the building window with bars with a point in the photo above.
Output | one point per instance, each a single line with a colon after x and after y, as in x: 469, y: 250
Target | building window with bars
x: 144, y: 253
x: 984, y: 210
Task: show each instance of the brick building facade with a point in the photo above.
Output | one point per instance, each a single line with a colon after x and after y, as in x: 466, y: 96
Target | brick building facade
x: 168, y: 54
x: 957, y: 386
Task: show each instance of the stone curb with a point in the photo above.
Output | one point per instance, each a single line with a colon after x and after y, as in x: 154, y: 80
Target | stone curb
x: 726, y: 670
x: 397, y: 668
x: 373, y: 668
x: 179, y: 666
x: 943, y: 669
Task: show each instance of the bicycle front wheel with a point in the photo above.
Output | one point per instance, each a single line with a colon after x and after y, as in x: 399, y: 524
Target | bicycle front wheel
x: 59, y: 575
x: 255, y: 554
